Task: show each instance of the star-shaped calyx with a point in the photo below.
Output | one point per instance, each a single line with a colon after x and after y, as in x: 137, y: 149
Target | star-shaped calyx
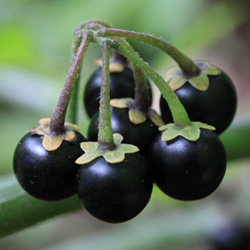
x: 176, y: 78
x: 136, y: 116
x: 190, y: 132
x: 52, y: 142
x: 92, y: 151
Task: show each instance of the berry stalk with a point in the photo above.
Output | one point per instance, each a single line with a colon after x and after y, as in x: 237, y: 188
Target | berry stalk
x: 142, y: 98
x: 105, y: 134
x: 178, y: 111
x: 72, y: 113
x: 186, y: 64
x: 58, y: 117
x: 73, y: 109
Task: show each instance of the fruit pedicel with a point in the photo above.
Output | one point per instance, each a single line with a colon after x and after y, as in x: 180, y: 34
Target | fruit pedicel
x: 128, y: 145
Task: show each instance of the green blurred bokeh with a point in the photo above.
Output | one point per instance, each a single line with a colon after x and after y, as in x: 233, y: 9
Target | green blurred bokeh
x: 35, y: 50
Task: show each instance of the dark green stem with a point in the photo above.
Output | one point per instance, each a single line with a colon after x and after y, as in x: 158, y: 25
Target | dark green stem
x: 58, y: 117
x: 105, y: 134
x: 186, y: 64
x: 179, y: 113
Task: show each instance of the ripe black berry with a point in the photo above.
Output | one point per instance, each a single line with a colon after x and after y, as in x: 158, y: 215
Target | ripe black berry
x: 188, y: 170
x: 216, y: 106
x: 115, y: 192
x: 47, y: 175
x: 122, y: 84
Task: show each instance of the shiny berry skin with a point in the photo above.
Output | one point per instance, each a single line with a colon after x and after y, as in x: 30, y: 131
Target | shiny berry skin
x: 47, y: 175
x: 140, y: 135
x: 122, y: 84
x: 186, y: 170
x: 216, y: 106
x: 117, y: 192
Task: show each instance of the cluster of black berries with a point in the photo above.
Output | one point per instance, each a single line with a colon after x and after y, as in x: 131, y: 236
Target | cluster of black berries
x: 185, y: 170
x: 46, y: 165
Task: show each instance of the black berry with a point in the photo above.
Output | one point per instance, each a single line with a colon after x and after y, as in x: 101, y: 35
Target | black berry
x: 216, y: 106
x: 115, y: 192
x: 47, y: 175
x: 122, y: 84
x: 187, y: 170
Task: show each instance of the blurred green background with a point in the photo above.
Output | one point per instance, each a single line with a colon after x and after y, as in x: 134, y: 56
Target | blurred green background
x: 35, y: 50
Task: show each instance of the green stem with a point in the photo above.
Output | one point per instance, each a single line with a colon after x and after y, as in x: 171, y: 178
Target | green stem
x: 19, y: 210
x: 105, y: 134
x: 58, y: 117
x: 186, y: 64
x: 179, y: 113
x: 73, y: 105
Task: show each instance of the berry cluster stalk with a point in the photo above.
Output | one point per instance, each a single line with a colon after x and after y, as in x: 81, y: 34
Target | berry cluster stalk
x: 186, y: 64
x: 105, y: 135
x: 142, y: 98
x: 58, y: 117
x: 73, y: 110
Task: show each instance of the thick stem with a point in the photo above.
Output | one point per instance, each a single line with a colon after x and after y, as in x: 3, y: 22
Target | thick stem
x: 178, y: 111
x: 142, y: 97
x: 58, y: 117
x: 186, y: 64
x: 105, y: 134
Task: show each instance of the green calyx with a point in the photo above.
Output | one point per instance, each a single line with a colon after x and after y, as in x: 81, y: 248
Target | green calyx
x: 176, y: 78
x: 136, y: 116
x: 51, y: 141
x: 92, y: 151
x: 190, y: 132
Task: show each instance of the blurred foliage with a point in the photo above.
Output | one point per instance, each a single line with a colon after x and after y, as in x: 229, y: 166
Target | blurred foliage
x: 35, y: 42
